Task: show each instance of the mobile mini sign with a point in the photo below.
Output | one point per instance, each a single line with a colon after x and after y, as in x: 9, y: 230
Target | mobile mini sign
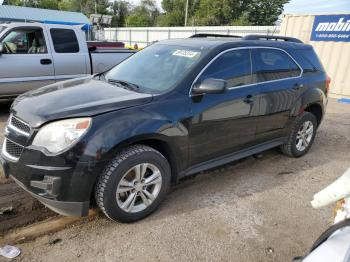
x: 331, y: 28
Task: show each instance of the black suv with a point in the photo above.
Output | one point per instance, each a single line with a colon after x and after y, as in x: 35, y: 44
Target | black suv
x: 174, y: 109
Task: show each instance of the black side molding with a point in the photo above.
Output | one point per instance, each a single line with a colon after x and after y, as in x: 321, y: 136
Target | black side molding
x: 232, y: 157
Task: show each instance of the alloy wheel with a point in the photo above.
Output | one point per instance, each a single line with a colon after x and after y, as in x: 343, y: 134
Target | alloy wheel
x: 138, y: 188
x: 304, y: 135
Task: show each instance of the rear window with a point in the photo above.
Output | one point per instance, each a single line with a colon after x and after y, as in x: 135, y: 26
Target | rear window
x: 271, y: 64
x: 312, y: 63
x: 64, y: 41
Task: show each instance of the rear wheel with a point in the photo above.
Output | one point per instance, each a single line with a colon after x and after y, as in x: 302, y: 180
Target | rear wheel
x: 134, y: 184
x: 302, y: 136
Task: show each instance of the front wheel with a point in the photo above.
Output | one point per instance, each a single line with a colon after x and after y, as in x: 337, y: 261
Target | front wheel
x: 134, y: 184
x: 302, y: 135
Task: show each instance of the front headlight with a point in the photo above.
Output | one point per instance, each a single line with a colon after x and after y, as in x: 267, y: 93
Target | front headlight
x: 60, y: 135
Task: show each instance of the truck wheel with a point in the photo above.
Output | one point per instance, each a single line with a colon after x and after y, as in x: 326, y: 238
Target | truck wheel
x: 302, y: 135
x: 134, y: 183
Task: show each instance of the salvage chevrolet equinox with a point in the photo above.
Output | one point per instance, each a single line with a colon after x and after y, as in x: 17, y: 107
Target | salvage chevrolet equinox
x: 174, y: 109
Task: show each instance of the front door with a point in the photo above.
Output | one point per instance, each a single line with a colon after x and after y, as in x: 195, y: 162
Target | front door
x: 25, y: 63
x: 224, y: 123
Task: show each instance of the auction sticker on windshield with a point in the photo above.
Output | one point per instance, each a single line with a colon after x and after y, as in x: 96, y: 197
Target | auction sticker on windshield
x: 185, y: 53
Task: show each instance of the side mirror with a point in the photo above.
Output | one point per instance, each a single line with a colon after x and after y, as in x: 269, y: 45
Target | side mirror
x: 210, y: 86
x: 1, y: 48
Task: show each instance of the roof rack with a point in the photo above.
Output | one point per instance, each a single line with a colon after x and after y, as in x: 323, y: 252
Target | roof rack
x: 272, y: 37
x: 213, y: 35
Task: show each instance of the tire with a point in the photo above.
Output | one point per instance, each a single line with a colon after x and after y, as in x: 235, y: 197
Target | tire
x: 293, y: 148
x: 133, y: 184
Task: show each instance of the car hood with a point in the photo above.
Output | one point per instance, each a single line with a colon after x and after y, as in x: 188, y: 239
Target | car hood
x: 74, y: 98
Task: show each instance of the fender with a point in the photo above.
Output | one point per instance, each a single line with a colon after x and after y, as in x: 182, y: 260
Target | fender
x: 309, y: 97
x: 116, y: 130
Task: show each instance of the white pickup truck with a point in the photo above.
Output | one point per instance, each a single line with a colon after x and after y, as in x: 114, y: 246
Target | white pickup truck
x: 33, y: 55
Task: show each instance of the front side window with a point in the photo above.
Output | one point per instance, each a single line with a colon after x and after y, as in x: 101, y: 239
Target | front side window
x: 24, y: 41
x: 233, y: 66
x: 271, y: 64
x: 64, y: 41
x: 157, y: 68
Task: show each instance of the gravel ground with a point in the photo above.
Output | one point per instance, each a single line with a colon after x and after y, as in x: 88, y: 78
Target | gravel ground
x: 253, y: 210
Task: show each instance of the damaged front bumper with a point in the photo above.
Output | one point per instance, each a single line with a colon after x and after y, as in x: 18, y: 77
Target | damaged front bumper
x: 65, y: 189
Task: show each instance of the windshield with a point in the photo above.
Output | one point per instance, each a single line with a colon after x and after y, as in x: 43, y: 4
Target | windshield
x: 157, y: 68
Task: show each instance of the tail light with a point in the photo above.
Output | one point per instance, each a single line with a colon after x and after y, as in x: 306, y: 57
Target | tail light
x: 328, y: 84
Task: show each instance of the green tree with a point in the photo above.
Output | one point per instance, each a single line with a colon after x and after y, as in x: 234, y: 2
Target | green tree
x: 264, y: 12
x: 85, y: 6
x: 218, y: 12
x: 6, y: 2
x: 28, y: 3
x: 49, y: 4
x: 221, y: 12
x: 70, y: 5
x: 144, y: 14
x: 243, y: 20
x: 120, y: 10
x: 175, y: 12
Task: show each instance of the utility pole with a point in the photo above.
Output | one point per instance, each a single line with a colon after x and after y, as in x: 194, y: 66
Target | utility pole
x: 186, y: 12
x: 95, y: 6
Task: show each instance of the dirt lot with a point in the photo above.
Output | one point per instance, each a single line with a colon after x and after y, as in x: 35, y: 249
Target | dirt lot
x: 254, y: 210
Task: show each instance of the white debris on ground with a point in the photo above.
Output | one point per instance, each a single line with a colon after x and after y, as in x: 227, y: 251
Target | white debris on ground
x: 10, y: 251
x: 344, y: 211
x: 336, y: 191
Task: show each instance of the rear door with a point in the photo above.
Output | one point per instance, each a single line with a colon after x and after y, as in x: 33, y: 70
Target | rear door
x: 70, y: 56
x: 224, y: 123
x: 280, y: 84
x: 26, y: 62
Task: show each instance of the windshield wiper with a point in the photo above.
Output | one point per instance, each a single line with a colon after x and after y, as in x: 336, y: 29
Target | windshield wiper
x: 100, y: 76
x: 124, y: 84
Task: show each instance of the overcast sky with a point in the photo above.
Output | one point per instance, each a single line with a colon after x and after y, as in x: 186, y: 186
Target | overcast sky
x: 305, y: 6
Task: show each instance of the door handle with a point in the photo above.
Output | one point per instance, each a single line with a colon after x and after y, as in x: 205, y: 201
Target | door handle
x: 46, y: 61
x: 297, y: 86
x: 248, y: 99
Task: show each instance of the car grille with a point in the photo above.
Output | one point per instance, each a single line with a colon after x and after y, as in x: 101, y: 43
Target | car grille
x: 19, y: 125
x: 12, y: 150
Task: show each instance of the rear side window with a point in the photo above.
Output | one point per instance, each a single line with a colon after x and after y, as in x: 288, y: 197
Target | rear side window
x: 233, y: 66
x: 64, y: 41
x: 271, y: 64
x: 312, y: 61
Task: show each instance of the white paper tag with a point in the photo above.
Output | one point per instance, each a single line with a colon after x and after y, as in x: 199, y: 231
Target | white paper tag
x: 185, y: 53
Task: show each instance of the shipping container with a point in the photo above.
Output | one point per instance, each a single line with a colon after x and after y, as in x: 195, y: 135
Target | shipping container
x: 334, y: 54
